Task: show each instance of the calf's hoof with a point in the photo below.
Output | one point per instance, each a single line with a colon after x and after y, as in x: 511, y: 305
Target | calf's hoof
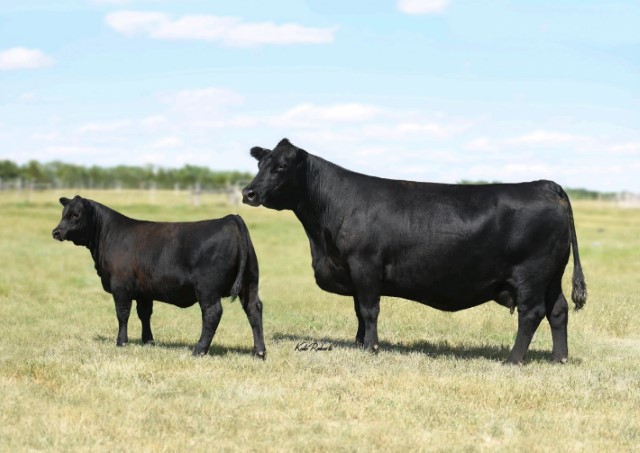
x: 150, y: 342
x: 560, y: 360
x: 121, y: 343
x: 260, y: 355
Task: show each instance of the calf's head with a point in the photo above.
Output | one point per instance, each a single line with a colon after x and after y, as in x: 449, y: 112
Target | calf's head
x: 280, y: 179
x: 77, y: 223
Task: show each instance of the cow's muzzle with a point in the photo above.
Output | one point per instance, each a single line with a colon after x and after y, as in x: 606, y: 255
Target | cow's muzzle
x: 57, y: 235
x: 250, y: 197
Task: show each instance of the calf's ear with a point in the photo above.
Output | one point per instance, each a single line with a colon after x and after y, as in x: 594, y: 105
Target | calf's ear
x: 258, y: 153
x: 64, y: 201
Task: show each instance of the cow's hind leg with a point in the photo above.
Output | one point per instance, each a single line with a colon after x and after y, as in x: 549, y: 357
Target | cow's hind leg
x: 123, y: 310
x: 557, y: 315
x: 531, y: 310
x: 360, y: 332
x: 211, y: 314
x: 145, y: 309
x: 253, y: 308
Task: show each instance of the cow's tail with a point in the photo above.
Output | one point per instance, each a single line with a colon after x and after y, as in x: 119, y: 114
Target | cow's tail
x: 579, y: 292
x: 244, y: 254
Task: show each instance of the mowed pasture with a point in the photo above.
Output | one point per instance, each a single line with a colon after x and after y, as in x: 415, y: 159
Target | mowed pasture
x: 438, y: 383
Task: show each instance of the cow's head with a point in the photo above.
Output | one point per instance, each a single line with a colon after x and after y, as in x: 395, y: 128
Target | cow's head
x: 280, y: 178
x: 77, y: 223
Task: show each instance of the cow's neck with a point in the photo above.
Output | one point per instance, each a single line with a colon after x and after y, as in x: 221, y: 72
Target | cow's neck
x: 320, y: 209
x: 103, y: 219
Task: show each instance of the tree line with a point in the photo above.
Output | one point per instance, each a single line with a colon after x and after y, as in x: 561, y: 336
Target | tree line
x: 60, y: 174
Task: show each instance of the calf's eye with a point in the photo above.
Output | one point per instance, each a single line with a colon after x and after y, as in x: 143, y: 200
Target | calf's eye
x: 282, y: 167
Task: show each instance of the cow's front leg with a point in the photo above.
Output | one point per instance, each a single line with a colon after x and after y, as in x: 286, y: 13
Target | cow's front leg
x: 367, y: 285
x: 360, y: 332
x: 145, y: 309
x: 369, y: 309
x: 123, y: 309
x: 211, y: 314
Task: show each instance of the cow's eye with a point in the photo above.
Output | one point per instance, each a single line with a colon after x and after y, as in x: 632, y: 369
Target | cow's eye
x: 282, y: 167
x: 75, y: 216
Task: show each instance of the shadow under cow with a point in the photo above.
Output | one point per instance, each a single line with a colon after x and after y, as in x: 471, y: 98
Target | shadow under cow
x: 497, y: 353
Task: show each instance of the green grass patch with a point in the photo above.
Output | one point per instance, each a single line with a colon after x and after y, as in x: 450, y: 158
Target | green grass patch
x: 437, y: 385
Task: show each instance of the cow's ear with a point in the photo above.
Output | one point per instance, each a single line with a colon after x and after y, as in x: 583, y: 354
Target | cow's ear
x: 64, y: 201
x: 258, y: 153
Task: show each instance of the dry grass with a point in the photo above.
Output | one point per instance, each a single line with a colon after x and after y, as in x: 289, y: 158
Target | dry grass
x: 438, y: 384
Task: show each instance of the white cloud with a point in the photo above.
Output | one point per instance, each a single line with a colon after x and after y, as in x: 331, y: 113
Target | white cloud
x: 167, y: 142
x: 230, y: 31
x: 240, y: 121
x: 543, y: 137
x: 427, y: 128
x: 28, y: 97
x: 413, y: 130
x: 307, y: 114
x: 481, y: 144
x: 111, y: 2
x: 203, y: 99
x: 123, y: 2
x: 537, y: 139
x: 46, y: 136
x: 422, y: 6
x: 154, y: 122
x: 628, y: 149
x: 104, y: 126
x: 22, y: 58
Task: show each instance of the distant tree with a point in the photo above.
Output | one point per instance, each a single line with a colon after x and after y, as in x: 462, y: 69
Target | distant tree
x: 9, y: 170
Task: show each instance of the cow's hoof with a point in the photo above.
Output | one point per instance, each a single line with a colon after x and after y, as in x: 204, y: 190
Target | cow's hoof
x: 261, y: 355
x: 121, y: 343
x: 199, y: 352
x: 560, y: 360
x: 149, y: 342
x: 513, y: 363
x: 373, y: 349
x: 360, y: 342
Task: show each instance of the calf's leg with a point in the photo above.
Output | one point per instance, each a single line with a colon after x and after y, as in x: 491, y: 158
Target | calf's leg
x: 211, y: 314
x: 145, y: 309
x: 253, y: 308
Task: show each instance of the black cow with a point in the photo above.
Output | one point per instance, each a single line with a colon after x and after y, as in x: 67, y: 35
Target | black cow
x: 178, y: 263
x: 447, y: 246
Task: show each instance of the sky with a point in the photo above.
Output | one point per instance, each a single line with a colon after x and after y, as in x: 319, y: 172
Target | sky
x: 427, y: 90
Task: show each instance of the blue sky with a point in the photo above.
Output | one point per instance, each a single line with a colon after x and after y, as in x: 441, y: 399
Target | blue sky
x: 431, y: 90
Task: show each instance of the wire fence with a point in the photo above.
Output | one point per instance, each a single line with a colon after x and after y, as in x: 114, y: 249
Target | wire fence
x: 231, y: 193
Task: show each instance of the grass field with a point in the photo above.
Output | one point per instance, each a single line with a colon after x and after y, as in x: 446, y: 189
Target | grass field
x: 438, y: 383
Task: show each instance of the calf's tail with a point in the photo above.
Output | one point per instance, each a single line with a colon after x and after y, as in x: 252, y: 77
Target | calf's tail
x: 579, y: 292
x: 244, y: 253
